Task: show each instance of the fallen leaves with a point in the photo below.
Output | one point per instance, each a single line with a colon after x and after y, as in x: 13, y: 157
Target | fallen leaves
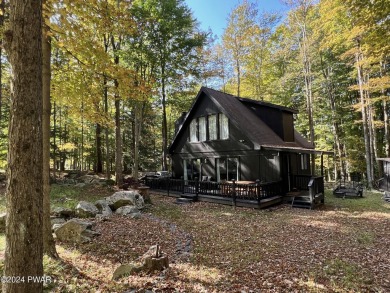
x: 217, y: 248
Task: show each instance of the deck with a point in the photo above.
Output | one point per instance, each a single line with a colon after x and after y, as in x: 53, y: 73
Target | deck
x: 240, y: 193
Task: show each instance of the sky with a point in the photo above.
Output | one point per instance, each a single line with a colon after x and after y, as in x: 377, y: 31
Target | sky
x: 213, y: 13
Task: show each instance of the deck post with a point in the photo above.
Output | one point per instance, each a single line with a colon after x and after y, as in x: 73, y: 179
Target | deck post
x: 234, y: 192
x: 322, y: 164
x: 168, y: 184
x: 258, y: 191
x: 197, y: 187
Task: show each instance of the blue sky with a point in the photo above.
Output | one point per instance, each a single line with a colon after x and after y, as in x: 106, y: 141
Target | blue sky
x: 213, y: 13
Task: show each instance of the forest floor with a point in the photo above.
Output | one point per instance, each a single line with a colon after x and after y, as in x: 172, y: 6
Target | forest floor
x: 342, y: 247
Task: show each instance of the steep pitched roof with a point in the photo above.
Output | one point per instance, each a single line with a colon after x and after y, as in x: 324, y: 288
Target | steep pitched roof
x: 246, y: 120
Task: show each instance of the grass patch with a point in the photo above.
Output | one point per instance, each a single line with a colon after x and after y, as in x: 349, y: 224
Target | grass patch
x: 346, y: 275
x: 365, y: 238
x: 372, y: 201
x: 68, y: 196
x: 167, y: 211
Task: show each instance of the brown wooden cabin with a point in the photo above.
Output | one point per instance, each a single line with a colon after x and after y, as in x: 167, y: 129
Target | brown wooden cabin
x: 226, y: 139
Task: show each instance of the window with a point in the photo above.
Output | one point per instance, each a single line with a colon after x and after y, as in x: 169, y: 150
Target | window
x: 202, y: 128
x: 213, y: 135
x: 193, y: 131
x: 304, y: 162
x: 223, y: 126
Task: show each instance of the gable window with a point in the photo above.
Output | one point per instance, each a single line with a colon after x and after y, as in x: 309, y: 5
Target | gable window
x: 202, y: 128
x: 223, y: 126
x: 193, y: 131
x: 213, y: 135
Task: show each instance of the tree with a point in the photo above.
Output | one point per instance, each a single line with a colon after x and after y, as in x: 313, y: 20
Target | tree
x: 24, y: 238
x: 238, y: 37
x: 48, y: 240
x: 173, y: 41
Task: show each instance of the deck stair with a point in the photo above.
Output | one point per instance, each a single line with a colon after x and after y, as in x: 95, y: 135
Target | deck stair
x: 301, y: 201
x: 312, y: 197
x: 306, y: 201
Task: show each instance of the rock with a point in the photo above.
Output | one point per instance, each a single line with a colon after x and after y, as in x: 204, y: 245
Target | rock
x: 144, y: 191
x: 85, y: 209
x: 123, y: 198
x: 3, y: 217
x: 57, y: 221
x: 88, y: 178
x: 131, y: 211
x: 81, y: 184
x: 103, y: 208
x: 63, y: 212
x: 126, y: 270
x: 73, y: 174
x: 76, y: 231
x: 55, y: 227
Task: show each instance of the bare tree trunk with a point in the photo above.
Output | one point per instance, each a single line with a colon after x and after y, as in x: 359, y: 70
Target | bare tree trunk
x: 49, y: 247
x: 238, y: 76
x: 106, y: 131
x: 364, y: 118
x: 386, y: 123
x: 139, y: 109
x: 164, y: 122
x: 99, y: 155
x: 118, y: 141
x: 24, y: 233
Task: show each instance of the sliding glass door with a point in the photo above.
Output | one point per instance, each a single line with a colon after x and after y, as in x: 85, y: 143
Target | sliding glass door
x: 227, y: 169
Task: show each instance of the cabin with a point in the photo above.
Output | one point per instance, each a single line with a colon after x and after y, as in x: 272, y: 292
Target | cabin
x: 242, y: 148
x: 384, y: 182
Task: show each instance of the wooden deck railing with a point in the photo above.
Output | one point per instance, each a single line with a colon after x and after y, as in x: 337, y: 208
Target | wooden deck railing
x: 301, y: 182
x: 316, y: 185
x: 232, y: 190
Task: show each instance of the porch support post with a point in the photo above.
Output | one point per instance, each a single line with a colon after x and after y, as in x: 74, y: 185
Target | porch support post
x: 322, y: 164
x: 313, y: 164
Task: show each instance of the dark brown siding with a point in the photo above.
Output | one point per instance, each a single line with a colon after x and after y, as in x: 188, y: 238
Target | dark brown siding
x: 288, y: 126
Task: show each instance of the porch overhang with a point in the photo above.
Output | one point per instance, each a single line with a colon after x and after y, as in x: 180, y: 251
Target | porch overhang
x: 296, y: 150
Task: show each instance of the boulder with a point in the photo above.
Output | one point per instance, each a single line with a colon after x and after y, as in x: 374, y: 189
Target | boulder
x: 76, y: 231
x: 63, y: 212
x: 3, y: 217
x: 85, y: 209
x: 123, y: 198
x: 54, y: 221
x: 88, y: 178
x: 103, y: 208
x: 126, y: 270
x: 131, y: 211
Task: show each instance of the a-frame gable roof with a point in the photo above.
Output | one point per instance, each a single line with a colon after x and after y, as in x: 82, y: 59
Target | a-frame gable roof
x: 246, y: 120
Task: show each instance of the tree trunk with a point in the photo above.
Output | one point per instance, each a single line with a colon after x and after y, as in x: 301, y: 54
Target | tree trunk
x: 106, y: 131
x: 164, y: 124
x: 24, y: 233
x: 365, y: 120
x: 2, y: 11
x: 99, y: 155
x: 118, y: 141
x: 48, y: 240
x: 139, y: 109
x: 54, y: 142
